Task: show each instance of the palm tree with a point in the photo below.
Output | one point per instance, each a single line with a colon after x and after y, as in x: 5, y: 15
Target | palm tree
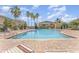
x: 58, y: 20
x: 34, y: 17
x: 15, y: 11
x: 28, y: 15
x: 57, y: 23
x: 37, y: 15
x: 31, y: 16
x: 74, y: 24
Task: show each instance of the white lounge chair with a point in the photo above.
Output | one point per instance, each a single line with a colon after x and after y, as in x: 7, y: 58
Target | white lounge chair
x: 19, y: 49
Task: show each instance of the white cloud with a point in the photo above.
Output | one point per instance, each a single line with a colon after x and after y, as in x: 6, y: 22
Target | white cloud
x: 40, y: 17
x: 59, y: 11
x: 24, y: 9
x: 35, y: 6
x: 53, y: 6
x: 24, y: 18
x: 66, y: 15
x: 48, y: 13
x: 53, y: 15
x: 5, y: 8
x: 1, y: 13
x: 68, y: 18
x: 62, y: 8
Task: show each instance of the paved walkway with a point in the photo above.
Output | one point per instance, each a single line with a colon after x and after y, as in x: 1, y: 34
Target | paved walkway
x: 73, y: 33
x: 43, y: 46
x: 54, y: 45
x: 8, y: 44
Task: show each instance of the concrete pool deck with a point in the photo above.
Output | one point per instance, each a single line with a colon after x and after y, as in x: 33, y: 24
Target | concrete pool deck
x: 73, y: 33
x: 61, y: 45
x: 42, y: 46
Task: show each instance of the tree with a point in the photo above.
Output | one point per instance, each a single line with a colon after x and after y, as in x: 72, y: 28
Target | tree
x: 32, y: 16
x: 22, y: 26
x: 15, y: 11
x: 74, y: 24
x: 7, y: 23
x: 28, y: 15
x: 1, y: 28
x: 64, y: 25
x: 37, y: 15
x: 58, y: 20
x: 25, y: 25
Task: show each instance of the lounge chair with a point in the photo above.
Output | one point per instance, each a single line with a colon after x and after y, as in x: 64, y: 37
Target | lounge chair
x: 19, y: 49
x: 25, y: 49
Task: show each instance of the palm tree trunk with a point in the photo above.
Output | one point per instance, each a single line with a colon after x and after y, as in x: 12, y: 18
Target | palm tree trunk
x: 37, y: 23
x: 28, y: 22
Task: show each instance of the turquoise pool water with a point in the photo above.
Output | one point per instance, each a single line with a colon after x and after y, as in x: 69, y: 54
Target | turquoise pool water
x: 41, y: 34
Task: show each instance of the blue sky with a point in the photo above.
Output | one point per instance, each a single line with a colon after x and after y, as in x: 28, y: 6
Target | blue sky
x: 47, y: 12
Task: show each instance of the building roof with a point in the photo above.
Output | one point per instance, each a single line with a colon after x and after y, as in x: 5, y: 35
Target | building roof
x: 46, y: 22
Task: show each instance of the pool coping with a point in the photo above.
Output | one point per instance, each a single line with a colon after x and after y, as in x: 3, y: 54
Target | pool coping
x: 20, y: 33
x: 44, y: 38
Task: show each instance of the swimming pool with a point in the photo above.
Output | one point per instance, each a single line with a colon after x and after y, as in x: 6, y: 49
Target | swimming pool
x: 41, y: 34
